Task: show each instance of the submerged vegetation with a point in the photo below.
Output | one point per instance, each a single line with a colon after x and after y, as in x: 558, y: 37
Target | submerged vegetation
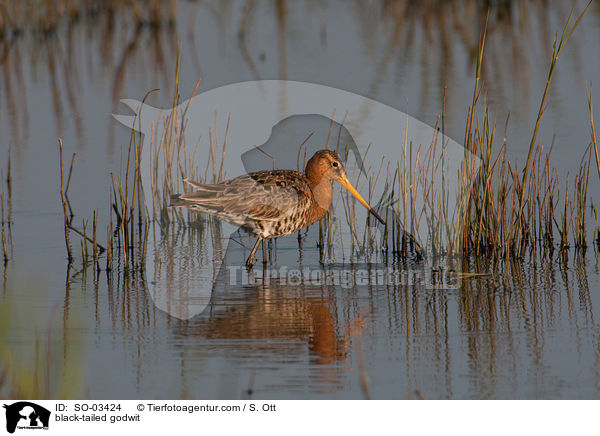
x: 47, y: 363
x: 507, y: 212
x: 6, y: 211
x: 44, y: 17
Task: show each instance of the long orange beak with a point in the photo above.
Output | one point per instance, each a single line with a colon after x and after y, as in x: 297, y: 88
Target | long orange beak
x: 346, y: 184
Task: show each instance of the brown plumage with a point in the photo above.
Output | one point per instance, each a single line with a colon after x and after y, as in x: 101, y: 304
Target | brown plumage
x: 272, y: 203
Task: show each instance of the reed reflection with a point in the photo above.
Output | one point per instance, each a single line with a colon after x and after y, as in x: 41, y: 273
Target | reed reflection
x: 82, y: 42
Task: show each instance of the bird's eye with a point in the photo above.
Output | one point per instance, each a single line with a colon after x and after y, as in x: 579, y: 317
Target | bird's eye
x: 335, y: 164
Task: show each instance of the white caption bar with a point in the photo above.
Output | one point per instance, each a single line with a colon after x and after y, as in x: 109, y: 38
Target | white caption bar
x: 265, y: 417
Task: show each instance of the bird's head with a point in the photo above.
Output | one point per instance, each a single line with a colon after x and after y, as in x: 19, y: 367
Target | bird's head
x: 325, y: 165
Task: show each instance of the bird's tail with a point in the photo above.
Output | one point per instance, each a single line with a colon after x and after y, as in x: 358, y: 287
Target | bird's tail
x: 205, y: 195
x: 176, y: 200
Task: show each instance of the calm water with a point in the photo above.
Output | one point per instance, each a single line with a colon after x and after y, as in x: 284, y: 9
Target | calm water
x: 528, y: 329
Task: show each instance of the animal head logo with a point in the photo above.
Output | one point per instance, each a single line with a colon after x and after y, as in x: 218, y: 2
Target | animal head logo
x: 280, y: 124
x: 27, y: 415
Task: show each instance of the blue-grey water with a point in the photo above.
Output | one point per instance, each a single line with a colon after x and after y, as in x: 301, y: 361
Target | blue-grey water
x: 529, y: 329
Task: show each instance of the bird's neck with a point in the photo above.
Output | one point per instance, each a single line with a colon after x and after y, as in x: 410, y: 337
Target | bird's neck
x: 322, y: 195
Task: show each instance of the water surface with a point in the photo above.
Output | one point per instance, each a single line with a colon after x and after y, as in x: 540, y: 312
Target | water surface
x: 527, y: 329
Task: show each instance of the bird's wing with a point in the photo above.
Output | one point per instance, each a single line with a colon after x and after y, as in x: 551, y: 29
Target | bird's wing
x: 263, y: 195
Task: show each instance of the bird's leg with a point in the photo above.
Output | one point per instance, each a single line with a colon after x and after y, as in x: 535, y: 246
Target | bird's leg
x: 264, y: 253
x: 250, y: 260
